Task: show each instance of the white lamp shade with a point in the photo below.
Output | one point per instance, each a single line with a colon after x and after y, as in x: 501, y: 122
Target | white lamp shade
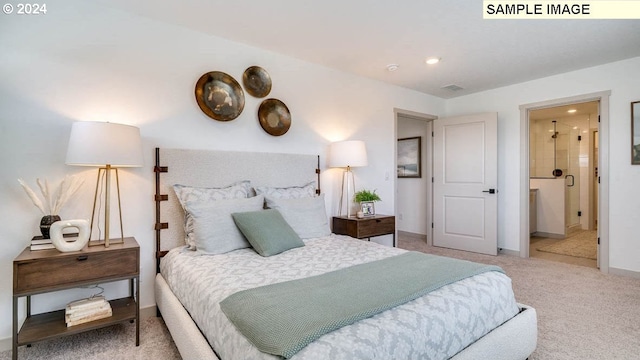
x: 351, y: 153
x: 103, y: 143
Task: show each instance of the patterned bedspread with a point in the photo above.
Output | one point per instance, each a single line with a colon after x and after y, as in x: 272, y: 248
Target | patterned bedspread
x: 435, y: 326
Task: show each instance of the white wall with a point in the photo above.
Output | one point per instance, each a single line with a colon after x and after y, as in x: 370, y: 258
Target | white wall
x: 412, y: 193
x: 86, y: 62
x: 621, y: 78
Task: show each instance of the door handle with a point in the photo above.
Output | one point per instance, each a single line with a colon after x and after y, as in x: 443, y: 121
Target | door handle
x: 490, y: 191
x: 573, y: 180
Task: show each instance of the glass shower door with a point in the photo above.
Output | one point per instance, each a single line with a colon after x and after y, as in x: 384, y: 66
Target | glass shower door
x: 568, y: 154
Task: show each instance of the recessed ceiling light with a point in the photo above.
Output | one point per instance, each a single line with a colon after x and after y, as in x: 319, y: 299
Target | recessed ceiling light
x: 432, y: 60
x: 572, y: 111
x: 392, y: 67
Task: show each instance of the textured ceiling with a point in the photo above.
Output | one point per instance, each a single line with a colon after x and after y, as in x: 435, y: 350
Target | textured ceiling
x: 364, y: 36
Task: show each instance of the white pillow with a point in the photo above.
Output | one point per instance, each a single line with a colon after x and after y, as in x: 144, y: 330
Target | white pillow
x: 214, y: 231
x: 291, y: 192
x: 203, y: 195
x: 307, y: 216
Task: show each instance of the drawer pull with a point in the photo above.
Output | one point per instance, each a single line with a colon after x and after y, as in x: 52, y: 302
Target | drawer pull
x: 83, y: 257
x: 378, y: 220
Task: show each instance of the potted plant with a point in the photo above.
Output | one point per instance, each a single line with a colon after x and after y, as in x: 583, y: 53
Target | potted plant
x: 366, y: 198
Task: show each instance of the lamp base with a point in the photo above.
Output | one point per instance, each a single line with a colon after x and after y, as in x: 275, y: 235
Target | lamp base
x: 106, y: 172
x: 348, y: 184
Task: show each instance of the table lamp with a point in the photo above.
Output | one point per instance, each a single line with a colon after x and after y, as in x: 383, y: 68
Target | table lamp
x: 347, y: 154
x: 108, y: 146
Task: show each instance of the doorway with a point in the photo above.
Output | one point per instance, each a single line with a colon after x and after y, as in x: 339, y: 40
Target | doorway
x: 413, y: 195
x: 448, y: 201
x: 563, y: 153
x: 560, y: 163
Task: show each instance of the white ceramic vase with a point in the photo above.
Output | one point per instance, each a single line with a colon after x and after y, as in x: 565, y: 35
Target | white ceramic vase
x: 69, y: 244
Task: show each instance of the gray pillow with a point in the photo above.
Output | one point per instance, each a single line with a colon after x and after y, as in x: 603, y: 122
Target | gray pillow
x: 267, y: 231
x: 214, y: 231
x: 291, y: 192
x: 191, y: 194
x: 307, y: 216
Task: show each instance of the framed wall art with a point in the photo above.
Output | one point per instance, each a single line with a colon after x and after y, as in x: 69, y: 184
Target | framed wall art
x: 635, y: 133
x: 409, y: 157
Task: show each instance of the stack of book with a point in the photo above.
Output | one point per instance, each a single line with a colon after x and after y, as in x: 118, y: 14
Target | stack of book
x: 85, y: 310
x: 38, y: 243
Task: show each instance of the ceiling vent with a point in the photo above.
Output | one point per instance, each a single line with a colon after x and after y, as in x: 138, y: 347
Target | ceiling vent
x: 452, y: 87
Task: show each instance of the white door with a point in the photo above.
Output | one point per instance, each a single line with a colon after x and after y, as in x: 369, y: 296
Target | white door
x: 465, y: 194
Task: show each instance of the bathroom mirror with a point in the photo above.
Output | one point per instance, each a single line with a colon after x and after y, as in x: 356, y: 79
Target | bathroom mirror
x: 635, y: 133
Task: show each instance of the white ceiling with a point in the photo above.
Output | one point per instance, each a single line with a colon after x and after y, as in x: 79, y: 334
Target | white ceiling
x: 364, y: 36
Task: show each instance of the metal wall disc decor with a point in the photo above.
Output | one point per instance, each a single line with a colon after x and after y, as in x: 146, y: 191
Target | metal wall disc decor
x: 257, y: 81
x: 274, y: 117
x: 219, y: 96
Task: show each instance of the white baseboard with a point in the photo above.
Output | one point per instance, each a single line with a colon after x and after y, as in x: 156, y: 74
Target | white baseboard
x: 145, y: 313
x: 623, y: 272
x: 509, y: 252
x: 407, y: 233
x: 5, y: 344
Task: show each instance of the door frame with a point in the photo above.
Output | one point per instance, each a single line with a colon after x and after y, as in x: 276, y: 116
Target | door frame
x: 427, y: 171
x: 593, y: 200
x: 603, y: 170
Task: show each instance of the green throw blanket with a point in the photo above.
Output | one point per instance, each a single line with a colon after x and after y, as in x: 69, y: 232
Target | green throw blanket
x: 283, y: 318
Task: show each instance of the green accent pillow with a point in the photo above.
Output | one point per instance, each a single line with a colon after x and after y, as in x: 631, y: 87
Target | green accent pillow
x: 267, y: 231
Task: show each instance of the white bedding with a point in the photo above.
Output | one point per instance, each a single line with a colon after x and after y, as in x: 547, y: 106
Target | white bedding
x: 435, y: 326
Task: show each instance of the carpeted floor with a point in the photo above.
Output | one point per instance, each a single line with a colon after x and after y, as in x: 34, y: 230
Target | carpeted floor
x: 583, y: 244
x: 116, y: 342
x: 582, y: 314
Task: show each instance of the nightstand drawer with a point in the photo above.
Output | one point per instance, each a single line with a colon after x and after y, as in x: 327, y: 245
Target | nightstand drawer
x: 365, y: 228
x: 74, y: 268
x: 376, y: 226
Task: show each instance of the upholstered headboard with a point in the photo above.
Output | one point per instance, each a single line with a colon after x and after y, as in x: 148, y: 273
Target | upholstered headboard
x: 210, y: 168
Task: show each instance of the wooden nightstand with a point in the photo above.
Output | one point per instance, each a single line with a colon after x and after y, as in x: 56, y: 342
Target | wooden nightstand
x: 366, y: 227
x: 42, y: 271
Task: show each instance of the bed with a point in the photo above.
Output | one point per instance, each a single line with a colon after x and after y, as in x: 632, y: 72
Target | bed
x: 474, y: 318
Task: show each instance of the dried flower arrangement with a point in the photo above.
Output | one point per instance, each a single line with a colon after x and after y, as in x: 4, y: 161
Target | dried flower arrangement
x: 52, y: 205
